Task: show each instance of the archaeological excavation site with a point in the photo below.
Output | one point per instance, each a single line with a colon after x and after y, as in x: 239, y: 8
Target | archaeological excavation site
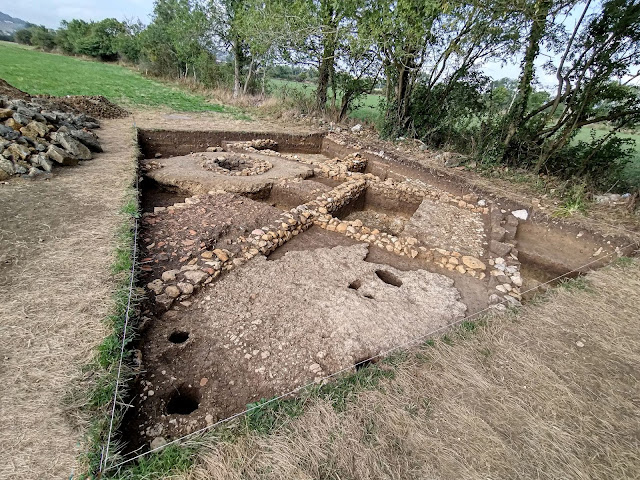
x: 272, y: 260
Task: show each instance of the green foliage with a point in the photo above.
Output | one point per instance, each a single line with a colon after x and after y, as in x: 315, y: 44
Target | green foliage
x: 43, y: 38
x: 449, y: 114
x: 23, y: 36
x: 172, y: 460
x: 599, y: 163
x: 574, y: 201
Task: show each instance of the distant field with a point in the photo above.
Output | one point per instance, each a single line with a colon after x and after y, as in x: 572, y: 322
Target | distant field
x: 632, y: 171
x: 43, y: 73
x: 367, y: 111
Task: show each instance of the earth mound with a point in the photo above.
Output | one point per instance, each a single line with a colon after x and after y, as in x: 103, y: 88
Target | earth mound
x: 95, y: 106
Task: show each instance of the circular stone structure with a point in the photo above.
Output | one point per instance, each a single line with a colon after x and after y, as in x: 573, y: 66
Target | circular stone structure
x: 235, y: 164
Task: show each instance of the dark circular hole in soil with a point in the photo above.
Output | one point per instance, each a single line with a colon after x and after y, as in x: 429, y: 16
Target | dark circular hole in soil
x: 233, y: 163
x: 388, y: 278
x: 178, y: 337
x: 183, y: 402
x: 355, y: 285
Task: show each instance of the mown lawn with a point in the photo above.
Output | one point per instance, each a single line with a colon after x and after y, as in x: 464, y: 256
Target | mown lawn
x: 37, y: 72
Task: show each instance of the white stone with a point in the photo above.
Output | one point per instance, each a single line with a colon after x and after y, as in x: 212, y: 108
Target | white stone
x: 520, y: 214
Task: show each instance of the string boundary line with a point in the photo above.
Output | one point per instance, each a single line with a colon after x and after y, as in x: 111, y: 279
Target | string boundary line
x: 409, y: 343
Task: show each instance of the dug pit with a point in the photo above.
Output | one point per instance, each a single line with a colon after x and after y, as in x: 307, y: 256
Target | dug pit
x: 275, y: 267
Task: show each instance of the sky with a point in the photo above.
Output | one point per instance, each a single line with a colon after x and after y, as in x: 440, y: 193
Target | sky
x: 51, y: 12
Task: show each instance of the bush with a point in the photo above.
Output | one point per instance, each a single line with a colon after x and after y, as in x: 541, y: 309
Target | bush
x: 599, y: 165
x: 447, y: 114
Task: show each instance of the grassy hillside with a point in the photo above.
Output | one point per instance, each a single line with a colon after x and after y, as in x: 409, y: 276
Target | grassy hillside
x: 43, y: 73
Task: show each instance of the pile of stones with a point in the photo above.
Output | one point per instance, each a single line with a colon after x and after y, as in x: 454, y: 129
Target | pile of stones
x: 236, y: 165
x: 34, y: 137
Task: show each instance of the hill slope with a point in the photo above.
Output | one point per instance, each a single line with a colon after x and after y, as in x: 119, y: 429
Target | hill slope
x: 9, y: 24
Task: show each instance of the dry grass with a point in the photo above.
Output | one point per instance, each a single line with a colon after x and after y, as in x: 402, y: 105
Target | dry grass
x: 56, y: 245
x: 517, y: 399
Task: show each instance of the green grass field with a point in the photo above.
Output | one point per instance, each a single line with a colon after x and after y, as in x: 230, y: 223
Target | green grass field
x: 632, y: 170
x: 37, y: 72
x: 368, y: 109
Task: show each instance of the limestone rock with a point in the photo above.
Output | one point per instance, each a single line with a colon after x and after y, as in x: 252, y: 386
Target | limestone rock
x: 158, y: 442
x: 156, y: 286
x: 73, y: 146
x: 34, y: 129
x: 6, y: 166
x: 172, y: 291
x: 185, y: 288
x: 42, y: 161
x: 89, y: 139
x: 473, y: 263
x: 13, y: 124
x: 169, y: 275
x: 520, y: 214
x: 61, y: 156
x: 17, y: 151
x: 196, y: 277
x: 5, y: 113
x: 499, y: 248
x: 222, y: 256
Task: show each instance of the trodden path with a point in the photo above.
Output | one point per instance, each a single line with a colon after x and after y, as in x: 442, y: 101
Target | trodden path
x: 57, y: 238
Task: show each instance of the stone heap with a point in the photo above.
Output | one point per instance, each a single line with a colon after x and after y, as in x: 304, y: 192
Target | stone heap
x: 34, y: 139
x: 236, y: 164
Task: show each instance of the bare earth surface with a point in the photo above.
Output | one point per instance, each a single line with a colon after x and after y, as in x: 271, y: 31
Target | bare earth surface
x: 275, y: 324
x: 549, y: 393
x: 448, y: 227
x: 56, y: 243
x: 203, y: 121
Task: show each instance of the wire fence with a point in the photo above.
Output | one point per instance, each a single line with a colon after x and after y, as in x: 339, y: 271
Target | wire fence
x: 104, y: 457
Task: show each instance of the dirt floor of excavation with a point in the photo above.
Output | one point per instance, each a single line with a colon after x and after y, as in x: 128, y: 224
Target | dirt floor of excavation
x: 272, y: 325
x: 473, y: 292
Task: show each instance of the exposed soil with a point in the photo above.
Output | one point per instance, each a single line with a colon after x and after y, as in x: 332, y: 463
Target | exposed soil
x: 186, y: 172
x: 172, y: 238
x: 322, y: 300
x: 95, y: 105
x: 12, y: 92
x: 270, y: 326
x: 57, y: 238
x: 549, y: 393
x: 449, y: 227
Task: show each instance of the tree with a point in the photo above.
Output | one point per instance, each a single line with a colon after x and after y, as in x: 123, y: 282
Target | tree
x: 23, y: 35
x: 402, y: 31
x: 177, y: 41
x: 43, y: 38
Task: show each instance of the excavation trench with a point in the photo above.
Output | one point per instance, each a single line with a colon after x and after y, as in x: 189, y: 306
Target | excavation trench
x: 261, y: 281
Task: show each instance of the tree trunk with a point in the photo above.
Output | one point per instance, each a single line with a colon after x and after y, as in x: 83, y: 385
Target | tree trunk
x: 236, y: 67
x: 246, y: 83
x: 325, y: 70
x: 519, y: 106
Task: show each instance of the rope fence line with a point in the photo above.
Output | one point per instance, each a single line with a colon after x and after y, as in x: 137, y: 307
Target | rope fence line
x: 105, y: 450
x: 385, y: 353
